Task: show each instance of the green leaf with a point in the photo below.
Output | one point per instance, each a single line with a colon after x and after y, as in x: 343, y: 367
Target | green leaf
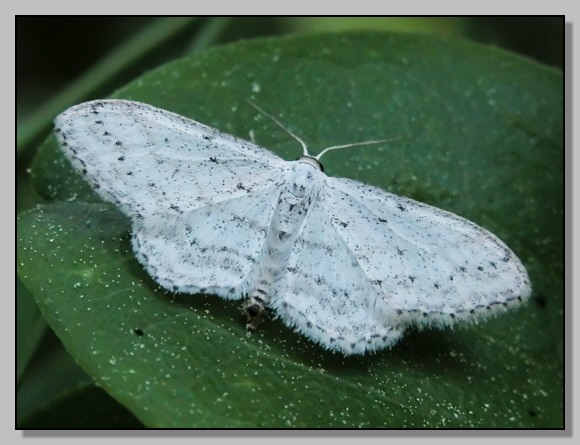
x: 30, y: 325
x: 480, y: 134
x: 84, y: 407
x: 51, y: 373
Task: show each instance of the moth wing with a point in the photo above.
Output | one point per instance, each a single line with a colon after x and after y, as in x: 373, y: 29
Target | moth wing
x: 368, y: 264
x: 150, y: 161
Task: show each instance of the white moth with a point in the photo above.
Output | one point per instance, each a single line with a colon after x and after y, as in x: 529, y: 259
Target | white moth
x: 346, y: 264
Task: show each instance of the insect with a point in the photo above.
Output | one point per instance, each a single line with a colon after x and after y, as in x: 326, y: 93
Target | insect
x: 348, y: 265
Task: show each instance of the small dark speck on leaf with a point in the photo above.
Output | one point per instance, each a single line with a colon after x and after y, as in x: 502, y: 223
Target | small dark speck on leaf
x: 540, y: 301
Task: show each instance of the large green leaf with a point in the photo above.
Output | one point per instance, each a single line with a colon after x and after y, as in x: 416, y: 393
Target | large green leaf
x: 81, y: 407
x: 480, y: 134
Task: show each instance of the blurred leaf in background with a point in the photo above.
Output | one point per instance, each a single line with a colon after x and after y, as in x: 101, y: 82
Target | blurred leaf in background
x: 486, y: 143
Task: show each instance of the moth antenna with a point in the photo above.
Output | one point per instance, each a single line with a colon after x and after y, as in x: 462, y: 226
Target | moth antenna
x: 277, y: 122
x: 356, y: 144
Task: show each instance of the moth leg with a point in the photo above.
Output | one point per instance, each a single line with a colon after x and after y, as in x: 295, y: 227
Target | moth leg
x: 254, y: 309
